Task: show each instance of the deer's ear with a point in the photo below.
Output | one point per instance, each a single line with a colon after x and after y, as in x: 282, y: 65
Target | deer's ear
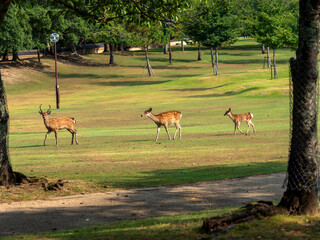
x: 229, y: 110
x: 40, y: 112
x: 150, y: 110
x: 48, y: 112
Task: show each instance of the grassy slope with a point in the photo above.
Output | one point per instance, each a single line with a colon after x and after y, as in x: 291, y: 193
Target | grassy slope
x: 117, y: 148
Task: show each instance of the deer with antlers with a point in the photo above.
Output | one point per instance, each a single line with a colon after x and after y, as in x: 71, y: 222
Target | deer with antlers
x: 165, y: 119
x: 238, y: 118
x: 55, y: 124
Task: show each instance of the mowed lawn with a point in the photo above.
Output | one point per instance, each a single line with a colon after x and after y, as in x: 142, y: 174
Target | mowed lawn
x: 117, y: 148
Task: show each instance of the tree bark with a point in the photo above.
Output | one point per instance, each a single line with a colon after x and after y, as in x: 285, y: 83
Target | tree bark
x: 38, y: 52
x: 147, y: 59
x: 268, y: 57
x: 263, y: 51
x: 217, y: 62
x: 300, y: 196
x: 170, y: 56
x: 15, y: 55
x: 111, y: 60
x: 5, y: 56
x: 212, y: 59
x: 275, y: 72
x: 199, y: 52
x: 182, y: 46
x: 165, y: 49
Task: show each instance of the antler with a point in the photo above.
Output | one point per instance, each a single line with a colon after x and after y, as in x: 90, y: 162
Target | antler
x: 49, y: 109
x: 40, y: 108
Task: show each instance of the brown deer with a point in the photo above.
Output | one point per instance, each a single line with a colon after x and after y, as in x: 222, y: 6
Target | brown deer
x: 55, y: 124
x: 165, y: 119
x: 238, y: 118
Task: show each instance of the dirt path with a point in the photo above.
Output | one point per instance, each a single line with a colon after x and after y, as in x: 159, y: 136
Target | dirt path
x: 84, y: 210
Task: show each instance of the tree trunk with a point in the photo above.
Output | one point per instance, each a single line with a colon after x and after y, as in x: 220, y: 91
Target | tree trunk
x: 15, y: 55
x: 147, y: 59
x: 217, y: 62
x: 7, y: 175
x: 268, y: 57
x: 275, y: 64
x: 182, y: 46
x: 5, y: 56
x: 199, y: 52
x: 300, y: 196
x: 263, y: 51
x: 38, y: 52
x: 111, y: 61
x: 212, y: 59
x: 170, y: 56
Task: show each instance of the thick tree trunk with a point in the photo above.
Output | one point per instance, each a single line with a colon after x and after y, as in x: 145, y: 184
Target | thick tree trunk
x: 182, y: 46
x: 199, y: 52
x: 111, y: 60
x: 301, y: 194
x: 6, y: 172
x: 147, y: 59
x: 15, y: 55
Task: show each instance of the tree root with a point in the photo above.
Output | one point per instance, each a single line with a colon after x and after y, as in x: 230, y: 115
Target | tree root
x: 250, y: 212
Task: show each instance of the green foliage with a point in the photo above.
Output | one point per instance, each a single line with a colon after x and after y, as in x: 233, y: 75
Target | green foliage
x: 217, y: 24
x: 15, y: 32
x: 275, y: 22
x: 40, y: 22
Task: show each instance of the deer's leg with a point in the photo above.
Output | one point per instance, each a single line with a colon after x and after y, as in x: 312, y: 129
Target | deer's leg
x: 248, y: 128
x: 76, y: 134
x: 72, y: 133
x: 179, y: 130
x: 166, y: 127
x: 45, y: 138
x: 235, y: 129
x: 158, y: 130
x: 174, y: 136
x: 254, y: 130
x: 56, y: 135
x: 238, y: 126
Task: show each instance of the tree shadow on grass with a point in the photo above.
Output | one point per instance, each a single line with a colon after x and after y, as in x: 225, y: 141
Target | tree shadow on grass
x: 198, y: 89
x: 229, y: 93
x: 196, y: 174
x: 129, y: 83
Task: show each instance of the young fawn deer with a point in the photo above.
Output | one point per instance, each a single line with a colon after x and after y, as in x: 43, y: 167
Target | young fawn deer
x: 238, y: 118
x: 55, y: 124
x: 165, y: 119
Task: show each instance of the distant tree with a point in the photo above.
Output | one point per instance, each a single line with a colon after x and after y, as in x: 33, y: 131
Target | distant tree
x: 114, y: 34
x: 274, y: 23
x: 40, y: 23
x: 15, y: 32
x: 216, y: 26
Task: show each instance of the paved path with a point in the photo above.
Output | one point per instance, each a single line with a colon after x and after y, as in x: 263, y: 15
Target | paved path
x: 84, y: 210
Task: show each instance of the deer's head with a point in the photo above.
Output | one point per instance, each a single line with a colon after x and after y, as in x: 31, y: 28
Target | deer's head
x: 44, y: 114
x: 146, y: 112
x: 227, y: 112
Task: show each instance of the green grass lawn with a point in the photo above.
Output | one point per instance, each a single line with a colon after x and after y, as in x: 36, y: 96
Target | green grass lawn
x: 117, y: 147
